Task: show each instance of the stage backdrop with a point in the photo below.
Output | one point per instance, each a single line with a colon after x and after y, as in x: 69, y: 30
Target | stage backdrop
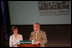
x: 28, y: 12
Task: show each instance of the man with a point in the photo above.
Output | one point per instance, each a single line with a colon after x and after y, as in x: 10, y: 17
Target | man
x: 38, y: 35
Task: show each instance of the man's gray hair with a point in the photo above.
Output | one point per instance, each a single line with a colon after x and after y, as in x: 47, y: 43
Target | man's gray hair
x: 37, y: 23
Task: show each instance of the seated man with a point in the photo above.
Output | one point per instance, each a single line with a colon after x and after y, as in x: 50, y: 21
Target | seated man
x: 15, y: 37
x: 38, y: 35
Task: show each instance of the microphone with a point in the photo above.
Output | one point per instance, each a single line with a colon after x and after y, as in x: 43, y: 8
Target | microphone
x: 31, y: 37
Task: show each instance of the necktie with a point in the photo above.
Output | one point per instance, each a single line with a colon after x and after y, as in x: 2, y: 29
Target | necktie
x: 36, y: 35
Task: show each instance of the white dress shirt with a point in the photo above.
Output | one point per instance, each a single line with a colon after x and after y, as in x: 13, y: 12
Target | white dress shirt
x: 13, y: 41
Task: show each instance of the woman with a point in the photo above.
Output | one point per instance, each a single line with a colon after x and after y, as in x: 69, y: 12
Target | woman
x: 15, y: 37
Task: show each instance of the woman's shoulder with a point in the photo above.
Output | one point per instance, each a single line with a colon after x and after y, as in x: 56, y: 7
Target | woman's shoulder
x: 11, y: 35
x: 19, y: 35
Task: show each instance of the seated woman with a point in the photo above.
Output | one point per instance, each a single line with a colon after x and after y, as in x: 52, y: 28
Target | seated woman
x: 15, y: 37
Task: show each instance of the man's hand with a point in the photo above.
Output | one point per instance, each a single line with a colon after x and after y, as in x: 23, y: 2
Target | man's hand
x: 36, y: 42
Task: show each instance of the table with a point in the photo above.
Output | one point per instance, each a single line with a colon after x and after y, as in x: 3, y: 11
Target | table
x: 28, y: 45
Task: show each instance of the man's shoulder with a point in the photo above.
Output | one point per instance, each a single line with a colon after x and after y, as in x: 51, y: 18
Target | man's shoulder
x: 42, y: 31
x: 32, y: 32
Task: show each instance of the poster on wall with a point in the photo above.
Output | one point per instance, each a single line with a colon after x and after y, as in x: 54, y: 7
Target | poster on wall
x: 53, y: 8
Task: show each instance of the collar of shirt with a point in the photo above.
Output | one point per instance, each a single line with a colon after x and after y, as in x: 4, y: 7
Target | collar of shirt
x: 14, y: 36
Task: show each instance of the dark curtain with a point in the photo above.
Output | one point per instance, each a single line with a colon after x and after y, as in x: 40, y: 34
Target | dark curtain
x: 5, y: 23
